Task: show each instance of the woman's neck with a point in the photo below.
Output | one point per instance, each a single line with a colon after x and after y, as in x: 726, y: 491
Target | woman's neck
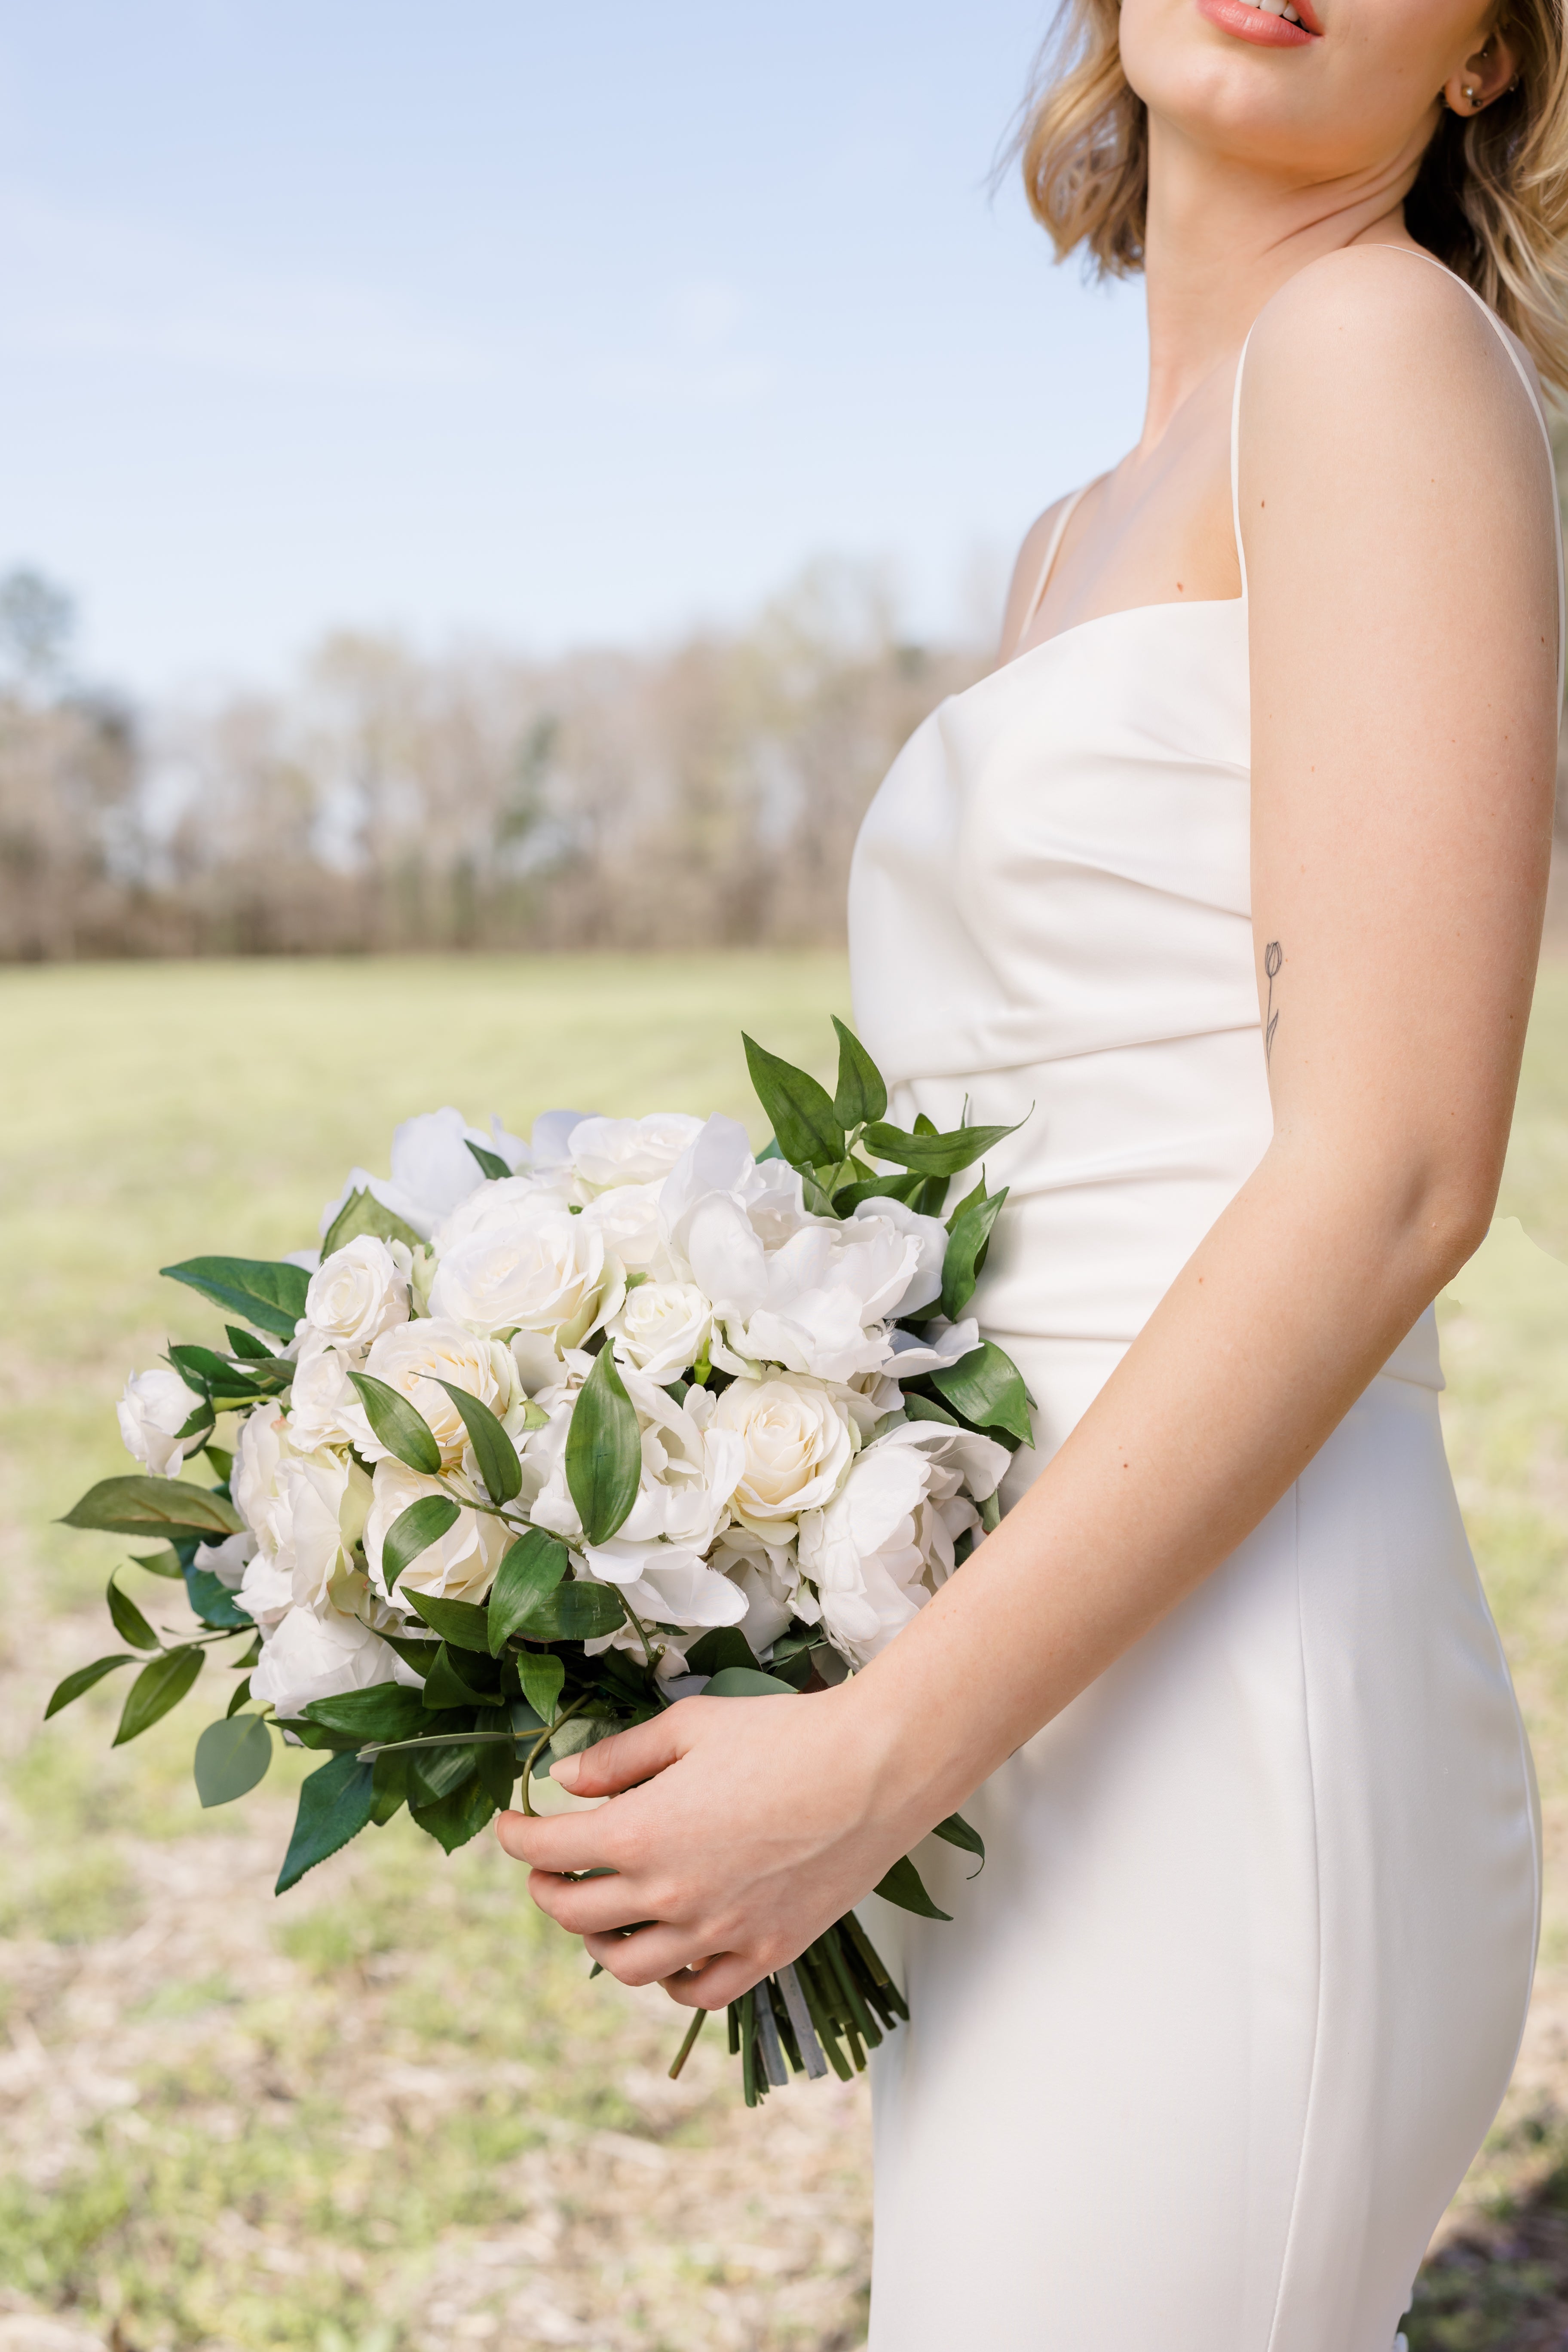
x: 1222, y: 237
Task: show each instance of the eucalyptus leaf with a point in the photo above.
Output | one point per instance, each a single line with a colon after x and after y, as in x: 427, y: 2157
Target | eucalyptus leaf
x: 493, y: 1449
x: 861, y: 1094
x: 156, y: 1507
x: 968, y: 1241
x: 160, y: 1685
x: 267, y: 1292
x: 801, y: 1110
x: 83, y: 1679
x: 128, y: 1622
x: 904, y: 1886
x: 935, y: 1155
x: 362, y: 1213
x: 335, y: 1803
x: 413, y: 1531
x: 231, y: 1756
x: 401, y: 1427
x: 542, y: 1676
x: 987, y: 1388
x: 604, y: 1452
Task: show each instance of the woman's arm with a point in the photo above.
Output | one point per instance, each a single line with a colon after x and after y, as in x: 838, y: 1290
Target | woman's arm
x: 1403, y: 630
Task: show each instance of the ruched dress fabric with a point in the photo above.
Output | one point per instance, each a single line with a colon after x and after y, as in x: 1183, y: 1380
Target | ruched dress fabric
x: 1210, y: 2041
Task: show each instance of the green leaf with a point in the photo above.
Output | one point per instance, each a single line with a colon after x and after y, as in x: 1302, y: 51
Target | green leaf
x: 413, y: 1652
x: 987, y: 1389
x: 160, y: 1563
x: 493, y: 1165
x: 435, y: 1772
x: 542, y: 1676
x: 725, y: 1645
x: 267, y: 1292
x: 401, y: 1427
x: 957, y: 1831
x: 413, y: 1531
x: 747, y: 1682
x: 861, y: 1095
x: 391, y: 1782
x: 246, y: 1343
x: 907, y: 1189
x: 904, y: 1886
x: 362, y: 1213
x: 969, y: 1238
x: 529, y: 1573
x: 935, y: 1155
x: 128, y: 1622
x: 231, y: 1757
x: 385, y: 1711
x: 156, y: 1507
x: 801, y: 1111
x: 160, y: 1685
x: 335, y: 1803
x: 922, y: 1408
x: 214, y: 1604
x: 241, y: 1695
x: 576, y: 1612
x: 495, y: 1770
x: 455, y: 1819
x: 83, y: 1680
x: 493, y: 1449
x: 604, y: 1452
x: 445, y: 1685
x: 458, y: 1622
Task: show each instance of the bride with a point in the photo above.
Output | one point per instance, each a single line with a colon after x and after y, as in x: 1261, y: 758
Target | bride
x: 1230, y: 878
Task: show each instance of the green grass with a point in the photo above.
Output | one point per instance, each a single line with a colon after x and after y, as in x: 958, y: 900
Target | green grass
x: 389, y: 2113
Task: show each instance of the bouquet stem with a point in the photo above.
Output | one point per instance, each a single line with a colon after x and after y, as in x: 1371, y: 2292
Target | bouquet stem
x: 826, y: 2008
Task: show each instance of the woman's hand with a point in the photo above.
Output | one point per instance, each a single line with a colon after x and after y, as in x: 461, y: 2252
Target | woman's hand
x: 746, y: 1828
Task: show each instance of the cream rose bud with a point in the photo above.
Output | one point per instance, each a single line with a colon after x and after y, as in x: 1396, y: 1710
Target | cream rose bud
x: 412, y: 1356
x: 461, y: 1566
x: 606, y: 1151
x: 356, y: 1294
x: 537, y: 1269
x: 799, y: 1443
x: 155, y: 1409
x: 662, y: 1328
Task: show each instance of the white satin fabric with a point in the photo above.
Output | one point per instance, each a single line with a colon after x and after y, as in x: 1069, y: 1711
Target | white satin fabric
x: 1211, y: 2042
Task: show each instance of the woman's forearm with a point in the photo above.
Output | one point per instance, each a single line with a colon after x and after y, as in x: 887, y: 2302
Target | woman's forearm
x: 1290, y: 1305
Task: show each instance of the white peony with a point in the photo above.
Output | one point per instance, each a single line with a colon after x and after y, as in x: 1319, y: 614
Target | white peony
x: 799, y: 1442
x: 614, y: 1151
x: 881, y: 1548
x: 230, y: 1559
x: 153, y: 1412
x: 460, y: 1567
x: 929, y: 1237
x: 310, y: 1655
x: 531, y: 1266
x: 357, y: 1293
x: 432, y: 1171
x: 412, y: 1356
x: 661, y: 1329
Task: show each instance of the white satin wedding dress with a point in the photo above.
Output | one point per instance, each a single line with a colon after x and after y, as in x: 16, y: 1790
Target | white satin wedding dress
x: 1209, y: 2043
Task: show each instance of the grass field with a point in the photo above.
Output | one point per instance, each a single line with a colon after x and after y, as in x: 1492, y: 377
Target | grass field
x: 408, y: 2121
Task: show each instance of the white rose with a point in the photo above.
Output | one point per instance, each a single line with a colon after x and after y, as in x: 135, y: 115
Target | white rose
x: 627, y: 1221
x: 460, y: 1567
x: 256, y: 1484
x: 881, y: 1547
x: 412, y: 1356
x: 799, y: 1443
x: 929, y: 1236
x: 153, y: 1412
x: 542, y: 1270
x: 662, y: 1328
x: 312, y: 1655
x: 329, y: 1496
x: 324, y: 1408
x: 230, y: 1559
x: 502, y: 1205
x: 357, y: 1293
x: 432, y: 1171
x: 606, y: 1151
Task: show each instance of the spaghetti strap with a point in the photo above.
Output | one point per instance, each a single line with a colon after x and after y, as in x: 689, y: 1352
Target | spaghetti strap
x: 1070, y: 508
x: 1236, y: 465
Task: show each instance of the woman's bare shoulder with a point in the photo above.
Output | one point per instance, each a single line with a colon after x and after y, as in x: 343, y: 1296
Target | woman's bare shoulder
x: 1027, y: 572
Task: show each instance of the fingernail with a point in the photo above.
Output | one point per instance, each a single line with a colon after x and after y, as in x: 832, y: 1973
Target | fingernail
x: 565, y: 1774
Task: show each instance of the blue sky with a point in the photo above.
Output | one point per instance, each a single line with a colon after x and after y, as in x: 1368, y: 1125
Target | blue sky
x: 548, y: 325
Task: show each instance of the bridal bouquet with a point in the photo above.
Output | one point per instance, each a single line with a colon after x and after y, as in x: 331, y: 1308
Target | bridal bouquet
x: 545, y: 1438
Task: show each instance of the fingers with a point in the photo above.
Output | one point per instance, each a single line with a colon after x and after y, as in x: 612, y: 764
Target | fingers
x: 717, y: 1982
x: 611, y: 1765
x: 654, y: 1955
x: 589, y: 1907
x: 555, y: 1841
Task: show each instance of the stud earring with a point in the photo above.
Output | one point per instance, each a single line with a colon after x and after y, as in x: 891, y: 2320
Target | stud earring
x: 1470, y: 94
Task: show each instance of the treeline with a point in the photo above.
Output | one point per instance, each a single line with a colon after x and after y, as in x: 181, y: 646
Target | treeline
x: 390, y: 799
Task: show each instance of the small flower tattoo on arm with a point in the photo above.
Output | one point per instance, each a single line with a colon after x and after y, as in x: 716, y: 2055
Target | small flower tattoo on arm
x: 1272, y: 960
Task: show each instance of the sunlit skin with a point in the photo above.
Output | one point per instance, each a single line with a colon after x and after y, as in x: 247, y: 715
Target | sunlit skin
x: 1403, y: 631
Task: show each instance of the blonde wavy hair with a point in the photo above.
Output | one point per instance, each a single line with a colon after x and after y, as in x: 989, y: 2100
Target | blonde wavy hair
x: 1491, y: 198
